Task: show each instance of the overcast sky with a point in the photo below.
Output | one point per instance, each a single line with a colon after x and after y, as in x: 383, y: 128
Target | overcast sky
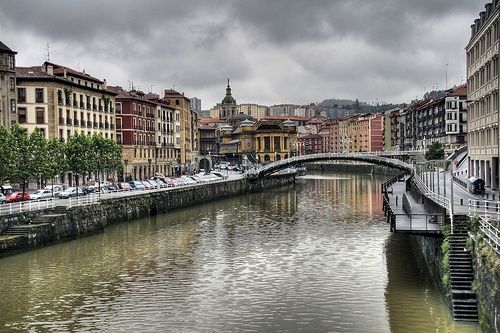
x: 274, y: 51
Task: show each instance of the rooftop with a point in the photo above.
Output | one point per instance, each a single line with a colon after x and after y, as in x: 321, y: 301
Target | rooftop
x: 5, y: 49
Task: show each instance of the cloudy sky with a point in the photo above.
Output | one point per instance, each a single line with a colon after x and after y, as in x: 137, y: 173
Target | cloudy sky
x: 274, y: 51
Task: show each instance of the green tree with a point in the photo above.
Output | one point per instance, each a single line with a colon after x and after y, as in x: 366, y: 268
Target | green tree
x: 6, y: 155
x: 55, y: 161
x: 29, y: 153
x: 107, y: 156
x: 435, y: 151
x: 79, y: 156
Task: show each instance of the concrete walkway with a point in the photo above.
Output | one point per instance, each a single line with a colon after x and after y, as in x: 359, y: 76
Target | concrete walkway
x: 419, y: 221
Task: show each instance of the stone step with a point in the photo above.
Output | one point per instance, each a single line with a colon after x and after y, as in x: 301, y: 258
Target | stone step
x: 462, y: 294
x: 467, y: 308
x: 466, y: 317
x: 470, y: 301
x: 468, y: 278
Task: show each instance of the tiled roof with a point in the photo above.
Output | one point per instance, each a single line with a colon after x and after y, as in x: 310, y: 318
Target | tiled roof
x: 461, y: 90
x: 5, y: 49
x: 59, y: 71
x: 35, y: 71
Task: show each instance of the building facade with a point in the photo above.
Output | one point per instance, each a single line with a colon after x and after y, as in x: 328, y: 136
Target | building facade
x: 483, y: 96
x: 253, y: 110
x: 7, y: 86
x: 61, y: 102
x: 310, y: 144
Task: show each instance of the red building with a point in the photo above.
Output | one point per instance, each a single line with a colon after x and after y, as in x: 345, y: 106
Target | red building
x: 135, y: 132
x: 310, y: 144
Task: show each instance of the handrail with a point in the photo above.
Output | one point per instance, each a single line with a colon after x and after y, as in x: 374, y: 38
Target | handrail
x: 486, y: 214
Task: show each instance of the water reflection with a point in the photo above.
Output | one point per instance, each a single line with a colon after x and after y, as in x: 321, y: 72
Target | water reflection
x: 311, y: 257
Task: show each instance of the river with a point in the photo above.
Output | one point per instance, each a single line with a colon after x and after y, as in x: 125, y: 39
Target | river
x: 316, y: 256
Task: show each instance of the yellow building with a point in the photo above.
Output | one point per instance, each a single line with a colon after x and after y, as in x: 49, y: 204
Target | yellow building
x: 61, y: 102
x: 264, y: 140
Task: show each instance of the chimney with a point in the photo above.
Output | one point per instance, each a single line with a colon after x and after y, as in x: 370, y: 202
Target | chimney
x: 104, y: 84
x: 65, y: 73
x: 50, y: 69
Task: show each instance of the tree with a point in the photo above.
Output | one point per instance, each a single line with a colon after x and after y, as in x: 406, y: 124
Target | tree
x: 6, y: 155
x: 79, y: 156
x: 435, y: 151
x: 55, y: 161
x: 107, y: 156
x: 29, y: 152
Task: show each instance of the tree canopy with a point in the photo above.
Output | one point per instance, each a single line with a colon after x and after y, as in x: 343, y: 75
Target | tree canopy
x: 435, y: 151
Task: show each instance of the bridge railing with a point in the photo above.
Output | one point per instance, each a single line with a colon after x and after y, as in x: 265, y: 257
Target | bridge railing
x: 489, y: 221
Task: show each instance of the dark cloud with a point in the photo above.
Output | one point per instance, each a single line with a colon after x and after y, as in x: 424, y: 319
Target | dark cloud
x: 274, y: 50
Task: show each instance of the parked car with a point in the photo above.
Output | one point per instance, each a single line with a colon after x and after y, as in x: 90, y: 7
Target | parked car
x: 6, y: 190
x: 58, y: 188
x: 71, y: 192
x: 124, y: 186
x: 147, y: 185
x: 17, y: 197
x: 157, y: 183
x: 137, y: 185
x: 41, y: 195
x: 218, y: 174
x: 2, y: 198
x: 187, y: 180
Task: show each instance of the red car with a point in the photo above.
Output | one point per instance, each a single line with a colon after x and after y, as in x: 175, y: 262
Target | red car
x: 17, y: 196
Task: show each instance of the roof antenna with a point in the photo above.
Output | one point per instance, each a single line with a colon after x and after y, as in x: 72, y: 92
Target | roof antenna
x: 48, y: 52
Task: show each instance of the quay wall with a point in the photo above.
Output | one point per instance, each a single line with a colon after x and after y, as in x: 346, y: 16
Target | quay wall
x: 65, y: 224
x: 363, y: 168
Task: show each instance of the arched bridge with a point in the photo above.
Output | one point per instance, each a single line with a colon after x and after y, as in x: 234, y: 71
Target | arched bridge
x: 389, y: 159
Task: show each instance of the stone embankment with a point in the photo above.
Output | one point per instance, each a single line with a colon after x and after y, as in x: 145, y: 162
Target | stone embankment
x: 29, y: 230
x: 363, y: 168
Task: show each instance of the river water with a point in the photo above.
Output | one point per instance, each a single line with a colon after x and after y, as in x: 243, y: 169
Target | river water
x: 316, y: 256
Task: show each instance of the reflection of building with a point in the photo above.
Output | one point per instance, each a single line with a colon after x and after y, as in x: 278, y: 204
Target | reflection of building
x: 483, y: 82
x: 61, y: 102
x: 7, y: 86
x: 263, y: 141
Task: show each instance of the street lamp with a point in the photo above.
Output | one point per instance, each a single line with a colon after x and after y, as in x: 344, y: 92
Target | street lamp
x: 149, y: 168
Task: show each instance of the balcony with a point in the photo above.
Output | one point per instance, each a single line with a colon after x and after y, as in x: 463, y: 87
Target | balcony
x: 89, y: 124
x: 106, y: 125
x: 69, y: 121
x: 75, y: 104
x: 61, y: 121
x: 76, y: 122
x: 100, y: 108
x: 101, y: 125
x: 60, y: 101
x: 82, y: 105
x: 88, y: 106
x: 111, y: 126
x: 110, y: 109
x: 105, y: 108
x: 96, y: 124
x: 94, y: 107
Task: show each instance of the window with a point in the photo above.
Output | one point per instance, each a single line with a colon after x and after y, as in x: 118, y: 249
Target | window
x: 21, y: 95
x: 40, y: 115
x: 177, y: 102
x: 13, y: 106
x: 12, y: 63
x: 39, y: 95
x: 118, y: 107
x: 21, y: 112
x: 12, y: 84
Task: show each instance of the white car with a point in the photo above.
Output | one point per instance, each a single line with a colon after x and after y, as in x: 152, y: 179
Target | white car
x: 57, y: 189
x: 70, y: 192
x: 41, y: 195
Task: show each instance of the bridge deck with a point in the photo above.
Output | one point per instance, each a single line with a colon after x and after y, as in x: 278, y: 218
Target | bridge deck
x: 420, y: 221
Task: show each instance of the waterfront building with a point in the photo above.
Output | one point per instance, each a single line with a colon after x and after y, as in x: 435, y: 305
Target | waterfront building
x: 61, y: 101
x: 310, y: 144
x: 135, y: 120
x: 209, y: 139
x: 262, y: 141
x: 329, y: 132
x: 392, y: 129
x: 186, y: 130
x: 360, y: 133
x: 483, y: 95
x: 8, y: 108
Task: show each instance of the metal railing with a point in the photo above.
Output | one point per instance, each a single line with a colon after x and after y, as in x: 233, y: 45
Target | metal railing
x: 488, y: 213
x: 26, y: 206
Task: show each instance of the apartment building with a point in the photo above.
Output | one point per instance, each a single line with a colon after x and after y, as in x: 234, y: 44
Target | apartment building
x: 61, y: 101
x: 483, y: 95
x: 7, y: 86
x: 135, y: 123
x: 186, y: 129
x: 253, y: 110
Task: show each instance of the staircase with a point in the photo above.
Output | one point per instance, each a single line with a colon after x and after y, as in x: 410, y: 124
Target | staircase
x: 461, y: 274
